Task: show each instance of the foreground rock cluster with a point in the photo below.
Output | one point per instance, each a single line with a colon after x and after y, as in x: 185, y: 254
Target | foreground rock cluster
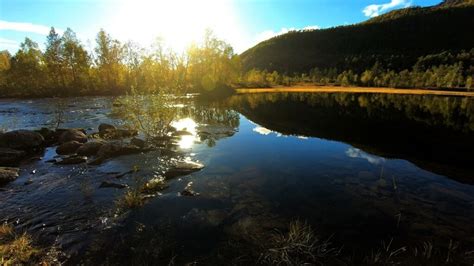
x: 75, y: 146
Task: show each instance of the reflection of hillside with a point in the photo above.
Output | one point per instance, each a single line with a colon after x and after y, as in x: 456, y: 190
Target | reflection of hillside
x: 436, y: 133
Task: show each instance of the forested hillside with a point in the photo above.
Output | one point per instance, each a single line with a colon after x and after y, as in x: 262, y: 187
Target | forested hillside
x: 395, y: 41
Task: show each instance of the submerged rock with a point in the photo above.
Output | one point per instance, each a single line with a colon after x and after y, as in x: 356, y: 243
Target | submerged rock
x: 8, y: 174
x: 90, y: 148
x: 25, y: 140
x: 10, y: 156
x: 183, y: 168
x: 72, y: 135
x: 72, y: 160
x: 188, y: 191
x: 107, y: 184
x: 182, y: 133
x: 69, y: 147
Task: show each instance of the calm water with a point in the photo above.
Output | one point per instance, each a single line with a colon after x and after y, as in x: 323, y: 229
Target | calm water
x: 358, y: 168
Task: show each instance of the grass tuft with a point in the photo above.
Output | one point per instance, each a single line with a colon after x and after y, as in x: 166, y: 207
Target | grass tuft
x: 297, y: 247
x: 15, y: 249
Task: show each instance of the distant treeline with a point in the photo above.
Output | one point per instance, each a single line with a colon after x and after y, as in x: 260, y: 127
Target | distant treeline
x: 443, y: 70
x: 66, y: 68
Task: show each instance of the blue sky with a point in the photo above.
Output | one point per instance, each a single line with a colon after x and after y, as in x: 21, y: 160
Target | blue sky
x: 242, y: 23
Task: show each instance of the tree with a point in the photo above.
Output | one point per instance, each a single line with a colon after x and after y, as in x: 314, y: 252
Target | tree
x: 26, y: 75
x: 54, y: 60
x: 108, y: 61
x: 76, y: 63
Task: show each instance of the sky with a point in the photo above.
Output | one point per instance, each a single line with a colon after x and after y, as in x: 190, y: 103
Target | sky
x: 242, y: 23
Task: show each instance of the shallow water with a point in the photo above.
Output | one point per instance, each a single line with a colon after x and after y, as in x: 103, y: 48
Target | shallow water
x: 360, y: 169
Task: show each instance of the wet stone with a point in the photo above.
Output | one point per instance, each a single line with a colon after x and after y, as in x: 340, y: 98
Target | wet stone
x: 108, y: 184
x: 69, y: 147
x: 183, y: 168
x: 72, y: 160
x: 8, y: 174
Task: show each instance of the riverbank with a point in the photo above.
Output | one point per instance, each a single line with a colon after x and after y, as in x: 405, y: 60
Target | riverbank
x: 335, y: 89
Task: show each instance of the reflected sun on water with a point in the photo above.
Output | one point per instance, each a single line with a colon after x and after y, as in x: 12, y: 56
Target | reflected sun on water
x: 186, y: 124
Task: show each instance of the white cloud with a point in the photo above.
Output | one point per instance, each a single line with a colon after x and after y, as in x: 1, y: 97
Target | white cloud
x: 357, y: 153
x: 375, y: 10
x: 268, y: 34
x: 262, y: 130
x: 6, y: 44
x: 26, y: 27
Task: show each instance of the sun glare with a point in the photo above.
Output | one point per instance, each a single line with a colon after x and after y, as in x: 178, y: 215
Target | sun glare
x: 187, y: 124
x: 178, y: 22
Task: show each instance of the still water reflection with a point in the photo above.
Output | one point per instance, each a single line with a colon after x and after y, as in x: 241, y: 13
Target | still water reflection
x: 360, y: 168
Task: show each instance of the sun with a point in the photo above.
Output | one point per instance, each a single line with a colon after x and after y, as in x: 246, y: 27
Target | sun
x: 178, y: 22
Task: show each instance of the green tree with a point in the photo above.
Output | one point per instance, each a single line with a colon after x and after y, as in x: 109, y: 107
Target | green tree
x: 76, y: 63
x: 54, y: 61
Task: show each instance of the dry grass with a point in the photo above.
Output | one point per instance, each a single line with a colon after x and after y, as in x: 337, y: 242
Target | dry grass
x: 334, y: 89
x: 15, y: 249
x: 297, y: 247
x: 131, y: 200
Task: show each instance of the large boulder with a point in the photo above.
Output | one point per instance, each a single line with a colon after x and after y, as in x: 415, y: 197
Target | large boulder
x: 72, y: 135
x: 90, y: 148
x: 25, y: 140
x: 69, y: 147
x: 10, y: 156
x: 8, y: 174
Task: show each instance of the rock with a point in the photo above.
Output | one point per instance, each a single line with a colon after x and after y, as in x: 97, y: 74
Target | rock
x: 50, y: 136
x: 10, y: 156
x: 182, y: 133
x: 28, y: 182
x: 8, y: 174
x: 69, y: 147
x: 118, y: 133
x: 72, y: 160
x: 216, y: 130
x: 138, y: 142
x: 188, y: 191
x: 72, y: 135
x: 90, y: 148
x: 25, y: 140
x: 114, y: 149
x: 107, y: 184
x: 106, y: 127
x: 183, y: 168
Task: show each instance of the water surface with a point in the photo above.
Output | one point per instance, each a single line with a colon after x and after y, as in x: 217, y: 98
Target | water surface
x: 360, y: 168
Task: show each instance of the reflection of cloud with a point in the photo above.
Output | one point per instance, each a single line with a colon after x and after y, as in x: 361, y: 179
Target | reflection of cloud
x: 357, y: 153
x: 375, y: 10
x: 262, y: 130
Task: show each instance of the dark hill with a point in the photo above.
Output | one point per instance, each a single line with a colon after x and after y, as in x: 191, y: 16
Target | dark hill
x: 396, y: 40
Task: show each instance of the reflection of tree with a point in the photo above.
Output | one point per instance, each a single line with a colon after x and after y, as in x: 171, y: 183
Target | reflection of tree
x: 433, y: 132
x: 451, y: 112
